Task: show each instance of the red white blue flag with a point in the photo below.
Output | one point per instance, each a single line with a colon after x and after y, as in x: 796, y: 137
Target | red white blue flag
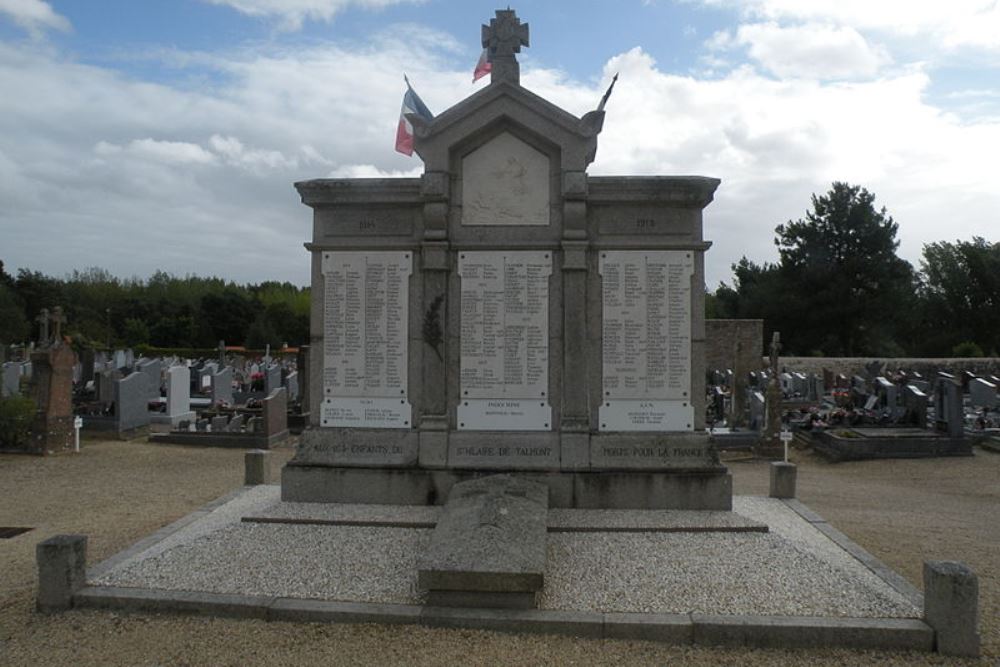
x: 404, y: 131
x: 483, y: 67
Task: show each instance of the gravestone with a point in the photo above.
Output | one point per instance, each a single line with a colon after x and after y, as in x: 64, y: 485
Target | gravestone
x: 130, y: 398
x: 11, y: 385
x: 51, y: 388
x: 757, y: 410
x: 275, y: 416
x: 151, y: 370
x: 272, y: 378
x: 948, y: 412
x: 292, y: 384
x: 87, y: 365
x: 219, y: 424
x: 222, y: 387
x: 982, y: 394
x: 508, y: 312
x: 915, y: 404
x: 179, y: 395
x: 769, y: 444
x: 119, y: 359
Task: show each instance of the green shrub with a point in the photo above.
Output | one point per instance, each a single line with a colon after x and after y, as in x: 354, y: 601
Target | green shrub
x: 16, y: 415
x: 967, y: 349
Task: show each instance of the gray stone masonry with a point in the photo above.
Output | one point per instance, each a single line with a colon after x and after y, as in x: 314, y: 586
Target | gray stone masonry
x: 275, y: 414
x: 62, y: 571
x: 782, y: 480
x: 258, y: 467
x: 222, y: 387
x: 951, y: 607
x: 489, y: 546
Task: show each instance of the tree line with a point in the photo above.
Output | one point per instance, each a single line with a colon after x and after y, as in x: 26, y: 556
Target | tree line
x: 161, y: 311
x: 839, y: 288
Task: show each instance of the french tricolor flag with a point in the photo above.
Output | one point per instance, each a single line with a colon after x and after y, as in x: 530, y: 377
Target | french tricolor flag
x: 483, y: 67
x: 404, y: 131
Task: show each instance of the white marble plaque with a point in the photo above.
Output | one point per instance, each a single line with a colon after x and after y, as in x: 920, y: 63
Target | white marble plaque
x: 505, y: 332
x: 626, y: 415
x: 365, y: 413
x: 505, y: 182
x: 365, y: 348
x: 504, y: 414
x: 646, y: 339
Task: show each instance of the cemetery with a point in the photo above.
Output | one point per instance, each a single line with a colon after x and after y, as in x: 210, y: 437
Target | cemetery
x: 514, y: 416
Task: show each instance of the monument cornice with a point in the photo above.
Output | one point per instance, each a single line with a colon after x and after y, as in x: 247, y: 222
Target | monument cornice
x: 324, y: 191
x: 685, y: 190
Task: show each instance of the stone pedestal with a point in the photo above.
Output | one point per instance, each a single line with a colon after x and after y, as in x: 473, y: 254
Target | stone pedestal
x: 770, y: 446
x: 951, y: 607
x: 257, y: 465
x: 62, y: 570
x: 782, y: 480
x: 52, y: 390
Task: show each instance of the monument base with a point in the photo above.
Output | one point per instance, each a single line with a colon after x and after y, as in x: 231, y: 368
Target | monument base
x: 710, y: 489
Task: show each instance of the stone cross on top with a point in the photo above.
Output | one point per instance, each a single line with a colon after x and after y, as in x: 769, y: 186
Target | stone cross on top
x: 503, y: 37
x: 43, y: 326
x: 58, y: 319
x: 775, y: 351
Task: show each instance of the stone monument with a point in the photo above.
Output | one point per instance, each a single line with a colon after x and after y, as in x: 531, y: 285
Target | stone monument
x: 506, y: 312
x: 52, y: 387
x: 769, y: 445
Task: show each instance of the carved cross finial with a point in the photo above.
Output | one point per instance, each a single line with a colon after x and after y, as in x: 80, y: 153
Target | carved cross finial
x: 43, y: 326
x: 775, y: 351
x: 503, y: 37
x: 58, y: 319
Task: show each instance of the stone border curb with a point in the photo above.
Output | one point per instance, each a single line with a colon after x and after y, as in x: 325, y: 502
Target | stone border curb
x: 889, y: 634
x: 894, y: 634
x: 892, y: 578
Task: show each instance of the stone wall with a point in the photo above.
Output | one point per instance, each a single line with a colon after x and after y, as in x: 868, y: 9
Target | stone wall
x: 856, y: 365
x: 721, y: 337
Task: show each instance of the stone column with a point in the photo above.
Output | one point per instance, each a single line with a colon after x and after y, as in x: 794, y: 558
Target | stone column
x: 433, y: 306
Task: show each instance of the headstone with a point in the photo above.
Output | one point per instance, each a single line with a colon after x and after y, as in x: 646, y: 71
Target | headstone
x: 757, y: 410
x: 769, y: 445
x: 982, y: 394
x: 787, y: 385
x: 119, y: 359
x: 272, y: 378
x: 800, y: 384
x: 222, y: 387
x: 201, y: 425
x: 292, y: 383
x: 131, y: 401
x: 179, y: 394
x: 235, y: 424
x: 915, y: 406
x: 948, y: 412
x: 151, y: 370
x: 219, y: 424
x: 11, y: 379
x: 540, y: 318
x: 275, y: 415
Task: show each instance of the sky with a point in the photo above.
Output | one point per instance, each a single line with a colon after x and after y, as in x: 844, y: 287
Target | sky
x: 167, y: 134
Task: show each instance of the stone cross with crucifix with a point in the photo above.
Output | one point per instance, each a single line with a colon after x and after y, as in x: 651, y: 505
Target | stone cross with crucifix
x: 503, y: 37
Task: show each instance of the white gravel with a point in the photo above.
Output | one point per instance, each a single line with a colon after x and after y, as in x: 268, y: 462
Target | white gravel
x: 792, y: 570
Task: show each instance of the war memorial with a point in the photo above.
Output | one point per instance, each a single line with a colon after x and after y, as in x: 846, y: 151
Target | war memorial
x: 506, y: 399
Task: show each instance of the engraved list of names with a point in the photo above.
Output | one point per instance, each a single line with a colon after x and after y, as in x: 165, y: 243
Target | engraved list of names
x: 505, y: 340
x: 646, y: 340
x: 365, y: 339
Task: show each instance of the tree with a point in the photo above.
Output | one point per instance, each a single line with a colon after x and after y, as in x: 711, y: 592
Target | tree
x: 841, y: 279
x: 961, y: 293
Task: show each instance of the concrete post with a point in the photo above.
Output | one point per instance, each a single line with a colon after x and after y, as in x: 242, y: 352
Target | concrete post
x: 62, y: 570
x: 951, y: 607
x: 782, y: 480
x: 257, y: 467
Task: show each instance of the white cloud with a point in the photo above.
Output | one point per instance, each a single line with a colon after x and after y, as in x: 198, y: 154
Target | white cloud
x: 950, y: 24
x: 35, y: 16
x: 136, y: 176
x: 292, y: 13
x: 806, y: 51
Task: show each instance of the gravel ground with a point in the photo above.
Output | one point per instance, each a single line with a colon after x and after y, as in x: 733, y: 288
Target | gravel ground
x: 795, y: 571
x: 902, y: 511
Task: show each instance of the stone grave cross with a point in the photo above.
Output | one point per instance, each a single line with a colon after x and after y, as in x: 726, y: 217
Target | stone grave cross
x: 58, y: 319
x: 43, y: 326
x: 775, y: 351
x: 504, y: 36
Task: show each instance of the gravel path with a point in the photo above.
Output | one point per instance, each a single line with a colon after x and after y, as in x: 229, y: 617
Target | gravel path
x: 902, y: 511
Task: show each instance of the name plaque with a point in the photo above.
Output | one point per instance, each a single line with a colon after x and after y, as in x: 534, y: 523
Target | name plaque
x: 365, y: 349
x: 505, y: 340
x: 646, y: 340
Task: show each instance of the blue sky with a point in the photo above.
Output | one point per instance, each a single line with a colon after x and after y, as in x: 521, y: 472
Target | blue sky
x: 166, y: 134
